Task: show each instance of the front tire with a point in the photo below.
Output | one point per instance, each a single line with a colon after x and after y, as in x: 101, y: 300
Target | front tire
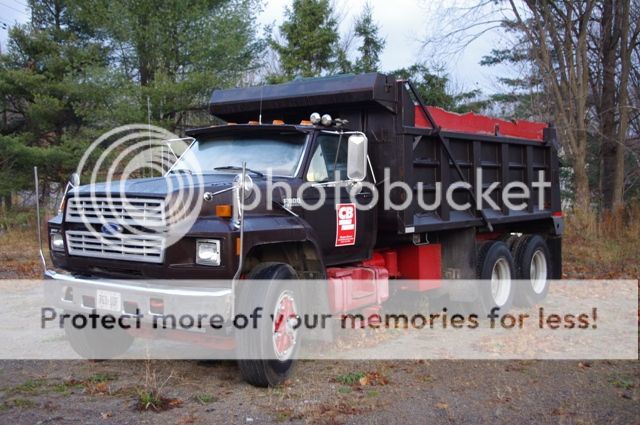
x: 267, y: 353
x: 99, y: 343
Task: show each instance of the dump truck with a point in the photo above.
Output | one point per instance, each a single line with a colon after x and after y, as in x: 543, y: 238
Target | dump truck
x: 401, y: 192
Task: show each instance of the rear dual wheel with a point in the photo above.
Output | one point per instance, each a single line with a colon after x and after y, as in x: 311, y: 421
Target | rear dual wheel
x: 533, y: 269
x: 495, y: 268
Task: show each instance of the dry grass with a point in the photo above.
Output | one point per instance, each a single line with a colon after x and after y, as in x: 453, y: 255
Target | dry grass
x: 19, y: 258
x: 152, y: 395
x: 603, y: 247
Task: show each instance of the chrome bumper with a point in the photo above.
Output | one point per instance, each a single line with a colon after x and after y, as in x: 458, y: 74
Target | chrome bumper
x: 177, y: 301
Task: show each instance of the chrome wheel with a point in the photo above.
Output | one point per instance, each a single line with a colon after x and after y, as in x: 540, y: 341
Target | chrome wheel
x: 538, y: 272
x: 501, y: 282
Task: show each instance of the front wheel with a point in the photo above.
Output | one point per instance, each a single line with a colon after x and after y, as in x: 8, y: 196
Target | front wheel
x: 267, y: 353
x: 97, y: 343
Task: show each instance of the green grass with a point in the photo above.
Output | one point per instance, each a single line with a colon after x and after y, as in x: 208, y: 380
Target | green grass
x: 148, y: 400
x: 39, y: 386
x: 204, y: 398
x: 100, y: 377
x: 350, y: 378
x: 624, y: 383
x: 345, y: 390
x: 20, y: 403
x: 65, y: 388
x: 29, y: 387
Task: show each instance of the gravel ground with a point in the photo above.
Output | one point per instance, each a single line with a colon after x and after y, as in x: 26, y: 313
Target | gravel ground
x: 393, y: 392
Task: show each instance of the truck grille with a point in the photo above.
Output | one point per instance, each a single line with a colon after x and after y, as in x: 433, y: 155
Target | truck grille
x: 138, y: 223
x: 138, y: 212
x: 146, y: 248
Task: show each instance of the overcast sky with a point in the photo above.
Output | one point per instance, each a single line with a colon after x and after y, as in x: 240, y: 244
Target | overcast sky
x: 403, y: 23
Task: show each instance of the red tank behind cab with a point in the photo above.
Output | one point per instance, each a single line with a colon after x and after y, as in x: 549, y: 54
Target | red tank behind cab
x: 481, y: 124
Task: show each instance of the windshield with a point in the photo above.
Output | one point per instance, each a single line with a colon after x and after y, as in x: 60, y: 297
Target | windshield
x: 274, y: 153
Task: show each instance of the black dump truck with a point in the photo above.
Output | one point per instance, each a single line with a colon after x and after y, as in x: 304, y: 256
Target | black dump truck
x: 401, y: 192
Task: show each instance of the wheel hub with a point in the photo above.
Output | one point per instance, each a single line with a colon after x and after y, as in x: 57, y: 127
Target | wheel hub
x: 501, y: 282
x: 284, y: 323
x: 538, y: 272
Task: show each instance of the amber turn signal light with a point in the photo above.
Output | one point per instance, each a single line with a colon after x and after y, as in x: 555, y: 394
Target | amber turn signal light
x: 223, y: 210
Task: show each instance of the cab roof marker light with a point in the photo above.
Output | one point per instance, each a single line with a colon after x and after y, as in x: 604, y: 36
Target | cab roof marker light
x: 315, y: 118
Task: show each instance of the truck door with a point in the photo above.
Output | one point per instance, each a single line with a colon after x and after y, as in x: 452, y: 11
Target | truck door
x: 346, y: 233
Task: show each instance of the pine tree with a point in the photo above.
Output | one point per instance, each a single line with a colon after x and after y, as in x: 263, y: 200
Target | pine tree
x: 433, y: 88
x: 82, y: 67
x: 174, y: 52
x: 50, y: 93
x: 310, y: 44
x: 372, y: 44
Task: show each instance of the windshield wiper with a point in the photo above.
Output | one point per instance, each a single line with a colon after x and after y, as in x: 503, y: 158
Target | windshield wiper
x: 181, y: 170
x: 237, y: 168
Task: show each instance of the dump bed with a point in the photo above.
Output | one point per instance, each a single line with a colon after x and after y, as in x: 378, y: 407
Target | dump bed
x: 419, y: 146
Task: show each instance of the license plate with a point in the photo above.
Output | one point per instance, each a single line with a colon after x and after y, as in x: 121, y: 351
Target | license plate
x: 108, y: 300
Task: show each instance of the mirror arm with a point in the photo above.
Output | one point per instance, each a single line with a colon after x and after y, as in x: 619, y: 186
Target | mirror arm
x: 373, y: 175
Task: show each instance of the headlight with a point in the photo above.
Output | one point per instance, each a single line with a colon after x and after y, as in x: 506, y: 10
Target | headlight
x: 208, y: 252
x: 57, y: 241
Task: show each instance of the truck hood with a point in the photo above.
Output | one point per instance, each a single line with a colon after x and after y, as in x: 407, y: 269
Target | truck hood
x: 157, y: 187
x: 193, y: 189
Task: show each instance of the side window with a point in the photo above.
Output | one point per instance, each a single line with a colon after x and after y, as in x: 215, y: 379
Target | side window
x: 329, y: 159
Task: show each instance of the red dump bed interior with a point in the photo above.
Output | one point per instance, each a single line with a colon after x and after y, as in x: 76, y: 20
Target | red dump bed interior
x: 480, y: 124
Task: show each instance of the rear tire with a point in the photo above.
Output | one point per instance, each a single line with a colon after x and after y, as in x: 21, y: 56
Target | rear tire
x: 495, y: 267
x: 261, y: 363
x: 533, y: 268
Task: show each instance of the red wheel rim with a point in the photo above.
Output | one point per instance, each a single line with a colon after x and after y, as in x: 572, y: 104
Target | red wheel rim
x: 284, y: 323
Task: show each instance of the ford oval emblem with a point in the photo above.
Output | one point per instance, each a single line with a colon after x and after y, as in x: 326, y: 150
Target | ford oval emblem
x: 111, y: 229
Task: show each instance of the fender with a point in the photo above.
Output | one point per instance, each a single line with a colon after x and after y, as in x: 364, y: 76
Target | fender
x: 263, y: 232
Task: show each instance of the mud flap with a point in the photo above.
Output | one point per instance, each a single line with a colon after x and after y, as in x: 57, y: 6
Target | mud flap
x: 459, y: 262
x: 555, y: 248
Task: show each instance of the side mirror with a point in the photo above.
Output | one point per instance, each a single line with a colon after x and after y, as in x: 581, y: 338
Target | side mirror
x: 357, y: 157
x: 74, y: 180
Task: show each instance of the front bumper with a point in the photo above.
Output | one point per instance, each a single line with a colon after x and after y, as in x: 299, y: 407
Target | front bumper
x: 190, y: 298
